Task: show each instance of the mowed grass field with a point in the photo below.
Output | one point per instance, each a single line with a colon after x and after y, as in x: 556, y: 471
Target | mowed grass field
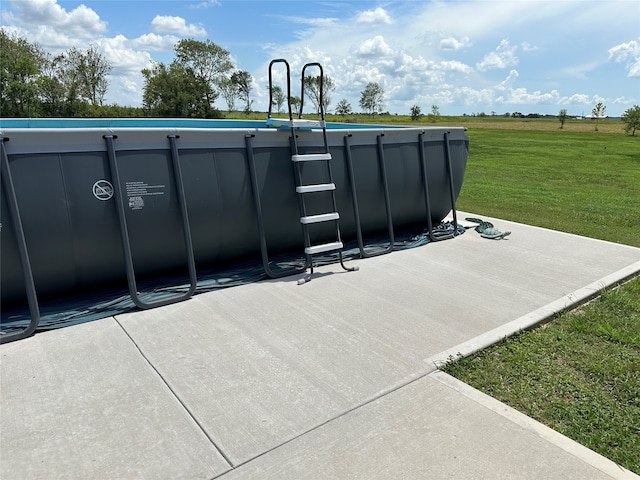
x: 587, y: 183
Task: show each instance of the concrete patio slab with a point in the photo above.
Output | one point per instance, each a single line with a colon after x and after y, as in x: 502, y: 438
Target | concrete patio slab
x: 82, y: 403
x: 335, y: 376
x: 264, y: 363
x: 435, y: 428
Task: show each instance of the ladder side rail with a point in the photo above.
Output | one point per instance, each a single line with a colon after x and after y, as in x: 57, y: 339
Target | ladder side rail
x: 259, y: 218
x: 301, y: 203
x: 125, y: 240
x: 16, y: 222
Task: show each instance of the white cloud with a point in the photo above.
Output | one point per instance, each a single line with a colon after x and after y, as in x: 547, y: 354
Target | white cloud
x: 623, y: 101
x: 155, y: 42
x: 177, y: 25
x: 51, y: 25
x: 124, y: 59
x: 624, y: 51
x: 578, y: 99
x: 453, y: 43
x: 206, y: 4
x: 502, y: 57
x: 374, y: 47
x: 373, y: 17
x: 527, y: 47
x: 510, y: 80
x: 80, y: 20
x: 455, y: 66
x: 627, y: 52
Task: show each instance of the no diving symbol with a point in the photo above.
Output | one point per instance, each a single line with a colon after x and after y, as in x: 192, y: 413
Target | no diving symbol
x: 103, y: 190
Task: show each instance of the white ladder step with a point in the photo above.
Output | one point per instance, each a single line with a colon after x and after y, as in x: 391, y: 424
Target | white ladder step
x: 323, y: 217
x: 296, y: 122
x: 321, y: 187
x: 311, y: 157
x: 327, y: 247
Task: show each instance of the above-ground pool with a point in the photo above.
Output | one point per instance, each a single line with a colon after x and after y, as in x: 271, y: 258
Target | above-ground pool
x: 87, y: 202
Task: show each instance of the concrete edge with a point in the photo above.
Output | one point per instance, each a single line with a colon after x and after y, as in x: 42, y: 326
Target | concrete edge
x: 572, y: 447
x: 534, y: 318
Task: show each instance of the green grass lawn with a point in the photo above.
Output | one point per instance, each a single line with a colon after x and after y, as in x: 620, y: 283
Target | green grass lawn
x: 579, y: 373
x: 586, y: 183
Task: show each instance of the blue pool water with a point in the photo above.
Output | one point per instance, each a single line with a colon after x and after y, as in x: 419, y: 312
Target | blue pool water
x: 152, y: 123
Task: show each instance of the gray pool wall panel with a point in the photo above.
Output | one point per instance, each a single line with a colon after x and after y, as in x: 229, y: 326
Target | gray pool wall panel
x: 73, y: 236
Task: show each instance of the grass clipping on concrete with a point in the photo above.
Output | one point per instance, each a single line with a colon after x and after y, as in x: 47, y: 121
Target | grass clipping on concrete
x: 579, y: 374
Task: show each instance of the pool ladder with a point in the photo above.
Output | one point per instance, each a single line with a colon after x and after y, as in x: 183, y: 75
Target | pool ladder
x: 304, y: 190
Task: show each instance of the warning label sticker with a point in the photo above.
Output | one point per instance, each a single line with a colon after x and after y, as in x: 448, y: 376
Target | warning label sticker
x: 103, y: 190
x: 136, y: 203
x: 136, y: 191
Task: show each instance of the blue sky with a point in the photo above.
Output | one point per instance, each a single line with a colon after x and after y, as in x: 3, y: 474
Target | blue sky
x: 465, y: 56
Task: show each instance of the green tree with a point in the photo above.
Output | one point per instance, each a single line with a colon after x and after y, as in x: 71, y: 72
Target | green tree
x: 562, y: 116
x: 343, y: 107
x: 174, y: 91
x: 372, y: 98
x: 84, y: 74
x: 190, y: 85
x: 435, y: 113
x: 598, y: 112
x: 209, y: 64
x: 295, y: 104
x: 416, y: 113
x: 311, y: 87
x: 51, y: 89
x: 278, y: 97
x: 229, y: 93
x: 242, y: 81
x: 20, y: 66
x: 93, y: 73
x: 631, y: 119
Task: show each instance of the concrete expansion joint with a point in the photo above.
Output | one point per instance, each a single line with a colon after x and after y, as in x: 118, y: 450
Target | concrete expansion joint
x: 174, y: 393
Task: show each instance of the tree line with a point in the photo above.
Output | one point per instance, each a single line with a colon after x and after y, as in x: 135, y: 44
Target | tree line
x: 35, y: 83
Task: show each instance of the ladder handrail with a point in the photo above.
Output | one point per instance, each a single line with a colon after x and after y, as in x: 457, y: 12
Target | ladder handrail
x: 354, y: 198
x: 312, y: 64
x: 124, y: 232
x: 16, y: 222
x: 280, y: 60
x: 321, y: 99
x: 260, y: 220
